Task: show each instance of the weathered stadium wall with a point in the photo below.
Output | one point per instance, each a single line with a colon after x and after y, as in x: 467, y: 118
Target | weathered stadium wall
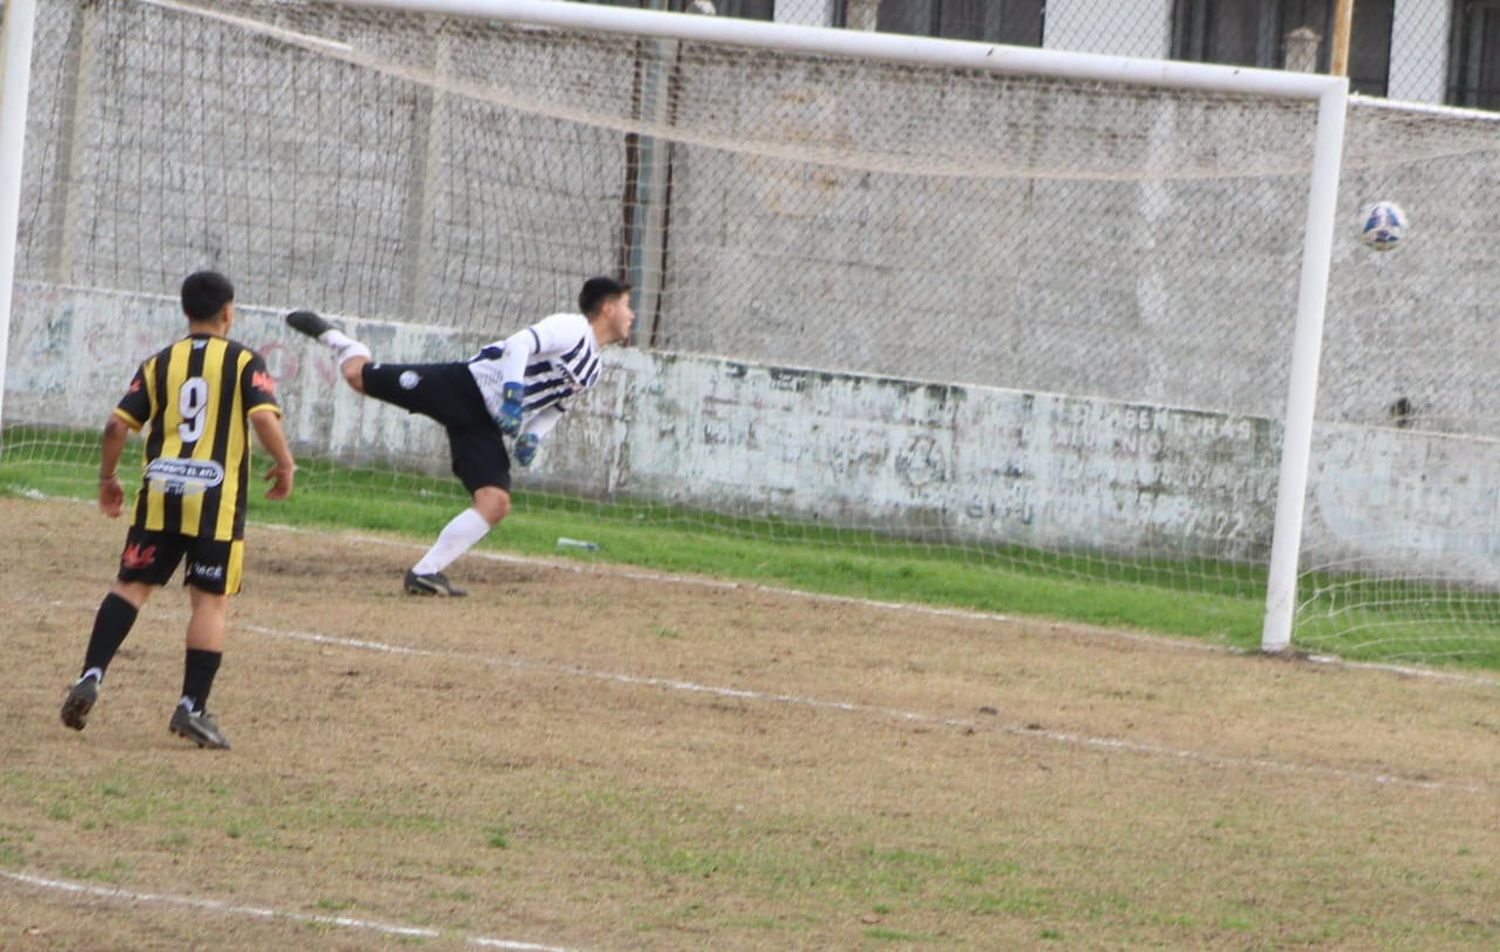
x: 929, y: 460
x: 1064, y: 362
x: 386, y: 198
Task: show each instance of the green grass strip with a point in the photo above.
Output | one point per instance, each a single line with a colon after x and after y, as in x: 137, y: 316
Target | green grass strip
x: 1203, y: 599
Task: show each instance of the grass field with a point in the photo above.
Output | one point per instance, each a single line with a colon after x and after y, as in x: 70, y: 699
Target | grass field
x: 590, y: 757
x: 1214, y: 602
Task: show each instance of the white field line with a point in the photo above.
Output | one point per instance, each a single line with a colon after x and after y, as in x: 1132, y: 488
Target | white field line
x: 609, y: 570
x: 261, y: 912
x: 1190, y: 755
x: 1012, y: 729
x: 1103, y: 634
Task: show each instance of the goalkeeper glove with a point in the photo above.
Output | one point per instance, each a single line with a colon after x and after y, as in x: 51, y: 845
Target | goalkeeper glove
x: 526, y: 448
x: 509, y: 419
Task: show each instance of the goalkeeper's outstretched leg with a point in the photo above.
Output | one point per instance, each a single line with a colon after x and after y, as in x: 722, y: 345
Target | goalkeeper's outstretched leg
x: 350, y: 354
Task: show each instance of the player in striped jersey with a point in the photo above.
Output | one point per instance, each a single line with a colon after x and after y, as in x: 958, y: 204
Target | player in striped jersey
x: 199, y: 397
x: 517, y: 387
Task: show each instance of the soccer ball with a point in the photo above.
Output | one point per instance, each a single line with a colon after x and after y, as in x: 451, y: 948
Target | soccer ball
x: 1382, y: 225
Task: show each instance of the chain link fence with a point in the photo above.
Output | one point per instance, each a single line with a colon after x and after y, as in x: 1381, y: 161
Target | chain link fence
x: 1429, y: 51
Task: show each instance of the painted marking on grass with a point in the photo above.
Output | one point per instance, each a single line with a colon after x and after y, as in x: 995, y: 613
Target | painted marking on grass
x: 640, y: 575
x: 262, y: 912
x: 628, y: 573
x: 936, y: 611
x: 1014, y: 730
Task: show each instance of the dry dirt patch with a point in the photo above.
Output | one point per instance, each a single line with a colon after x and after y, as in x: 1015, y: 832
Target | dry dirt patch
x: 595, y: 761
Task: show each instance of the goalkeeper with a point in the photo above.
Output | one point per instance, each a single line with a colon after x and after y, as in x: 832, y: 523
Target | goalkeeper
x: 518, y: 387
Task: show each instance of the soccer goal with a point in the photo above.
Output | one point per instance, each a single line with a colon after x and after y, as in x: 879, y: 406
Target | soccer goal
x: 1401, y: 545
x: 1058, y: 315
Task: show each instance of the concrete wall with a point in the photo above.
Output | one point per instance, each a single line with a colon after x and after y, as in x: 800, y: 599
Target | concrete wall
x: 1053, y: 238
x: 943, y: 463
x: 947, y: 251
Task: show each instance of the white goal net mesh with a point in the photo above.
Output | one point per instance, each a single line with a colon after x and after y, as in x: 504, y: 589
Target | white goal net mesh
x: 1403, y: 529
x: 1040, y: 323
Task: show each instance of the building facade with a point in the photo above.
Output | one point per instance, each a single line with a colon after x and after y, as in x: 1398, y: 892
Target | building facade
x: 1430, y: 51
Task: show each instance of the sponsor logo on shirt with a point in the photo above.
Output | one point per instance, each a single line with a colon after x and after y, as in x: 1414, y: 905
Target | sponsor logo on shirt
x: 184, y: 477
x: 261, y: 380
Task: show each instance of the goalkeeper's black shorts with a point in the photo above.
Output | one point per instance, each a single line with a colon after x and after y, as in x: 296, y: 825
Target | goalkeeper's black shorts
x: 448, y: 394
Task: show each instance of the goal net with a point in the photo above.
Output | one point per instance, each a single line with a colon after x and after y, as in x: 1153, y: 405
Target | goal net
x: 1401, y: 554
x: 1035, y: 323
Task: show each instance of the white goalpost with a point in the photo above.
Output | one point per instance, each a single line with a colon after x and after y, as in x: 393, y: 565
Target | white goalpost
x: 1051, y: 312
x: 15, y: 74
x: 1330, y: 94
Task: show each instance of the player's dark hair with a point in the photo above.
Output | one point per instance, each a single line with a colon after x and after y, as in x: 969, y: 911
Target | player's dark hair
x: 204, y: 294
x: 598, y: 290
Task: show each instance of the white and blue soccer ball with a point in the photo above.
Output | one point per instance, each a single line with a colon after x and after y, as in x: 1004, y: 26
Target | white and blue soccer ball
x: 1382, y: 225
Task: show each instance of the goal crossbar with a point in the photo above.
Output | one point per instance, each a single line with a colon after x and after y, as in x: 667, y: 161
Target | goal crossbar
x: 887, y: 47
x: 1330, y: 92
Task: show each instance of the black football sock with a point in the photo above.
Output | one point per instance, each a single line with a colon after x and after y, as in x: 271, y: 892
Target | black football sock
x: 111, y: 624
x: 198, y: 676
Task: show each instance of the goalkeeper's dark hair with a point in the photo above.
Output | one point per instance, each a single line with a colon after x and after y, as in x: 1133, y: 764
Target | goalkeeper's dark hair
x: 598, y: 290
x: 204, y: 294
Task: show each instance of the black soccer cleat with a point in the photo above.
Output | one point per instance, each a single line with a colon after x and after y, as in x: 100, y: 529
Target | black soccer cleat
x: 309, y: 323
x: 78, y: 703
x: 435, y: 584
x: 197, y: 727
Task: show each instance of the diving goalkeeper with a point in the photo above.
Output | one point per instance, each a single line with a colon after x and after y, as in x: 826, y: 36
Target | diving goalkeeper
x: 518, y: 387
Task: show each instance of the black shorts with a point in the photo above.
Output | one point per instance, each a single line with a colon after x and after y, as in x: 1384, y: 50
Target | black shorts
x: 215, y: 567
x: 448, y: 394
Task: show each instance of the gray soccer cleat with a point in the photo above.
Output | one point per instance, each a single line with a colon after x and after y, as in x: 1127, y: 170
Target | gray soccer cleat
x: 435, y: 584
x: 78, y: 703
x: 309, y: 323
x: 197, y: 727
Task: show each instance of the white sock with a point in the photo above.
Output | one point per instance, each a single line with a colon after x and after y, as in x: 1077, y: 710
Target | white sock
x: 94, y: 673
x: 457, y: 537
x: 349, y: 351
x: 344, y: 347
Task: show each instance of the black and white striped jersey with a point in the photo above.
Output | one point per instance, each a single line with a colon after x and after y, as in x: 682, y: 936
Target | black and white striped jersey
x: 556, y: 359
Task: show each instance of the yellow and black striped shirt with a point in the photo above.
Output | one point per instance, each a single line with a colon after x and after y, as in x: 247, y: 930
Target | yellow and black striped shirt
x: 197, y: 395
